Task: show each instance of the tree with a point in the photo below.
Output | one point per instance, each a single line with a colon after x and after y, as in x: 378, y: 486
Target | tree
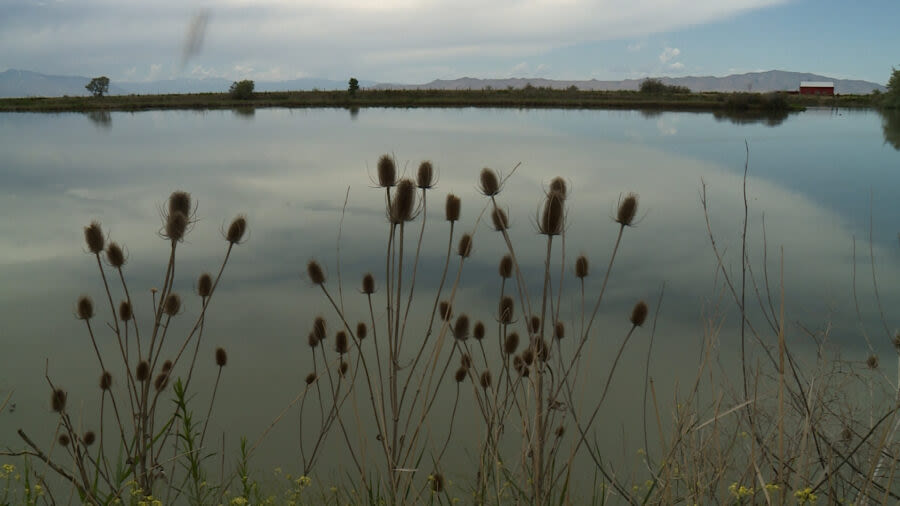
x: 892, y: 95
x: 241, y: 90
x: 352, y: 86
x: 98, y: 86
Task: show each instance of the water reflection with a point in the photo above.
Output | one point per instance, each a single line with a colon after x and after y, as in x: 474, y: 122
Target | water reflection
x: 890, y: 122
x: 291, y: 171
x: 244, y: 112
x: 767, y: 118
x: 354, y: 112
x: 100, y: 119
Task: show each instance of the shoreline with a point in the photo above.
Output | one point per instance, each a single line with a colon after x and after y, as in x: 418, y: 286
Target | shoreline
x: 536, y: 98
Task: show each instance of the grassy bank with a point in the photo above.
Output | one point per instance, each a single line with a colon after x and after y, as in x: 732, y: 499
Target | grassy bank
x: 520, y: 98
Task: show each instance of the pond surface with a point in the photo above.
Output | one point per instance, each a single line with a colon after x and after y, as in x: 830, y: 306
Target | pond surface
x: 819, y: 180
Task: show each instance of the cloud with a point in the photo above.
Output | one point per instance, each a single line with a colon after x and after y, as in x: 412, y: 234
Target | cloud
x: 385, y: 40
x: 677, y: 66
x: 635, y: 47
x: 669, y: 53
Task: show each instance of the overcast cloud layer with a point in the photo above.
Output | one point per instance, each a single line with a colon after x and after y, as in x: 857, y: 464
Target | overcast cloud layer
x: 394, y: 40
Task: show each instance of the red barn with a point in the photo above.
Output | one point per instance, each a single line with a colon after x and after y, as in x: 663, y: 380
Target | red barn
x: 816, y: 88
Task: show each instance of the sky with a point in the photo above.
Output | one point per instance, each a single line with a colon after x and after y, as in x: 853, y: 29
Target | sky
x: 416, y: 41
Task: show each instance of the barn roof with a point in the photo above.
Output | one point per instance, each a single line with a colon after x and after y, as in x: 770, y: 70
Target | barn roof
x: 816, y: 84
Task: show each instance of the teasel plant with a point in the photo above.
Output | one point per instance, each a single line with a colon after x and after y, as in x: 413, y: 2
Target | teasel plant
x: 516, y: 362
x: 140, y: 363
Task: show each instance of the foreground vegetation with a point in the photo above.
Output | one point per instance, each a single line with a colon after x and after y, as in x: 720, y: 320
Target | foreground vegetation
x: 518, y: 98
x: 784, y: 428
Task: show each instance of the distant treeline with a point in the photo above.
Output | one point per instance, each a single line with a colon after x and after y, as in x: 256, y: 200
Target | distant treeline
x: 654, y: 95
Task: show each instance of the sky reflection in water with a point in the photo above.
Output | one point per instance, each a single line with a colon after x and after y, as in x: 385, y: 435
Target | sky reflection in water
x: 813, y: 177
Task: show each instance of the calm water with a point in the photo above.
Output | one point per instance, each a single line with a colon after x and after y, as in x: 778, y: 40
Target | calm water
x: 817, y: 177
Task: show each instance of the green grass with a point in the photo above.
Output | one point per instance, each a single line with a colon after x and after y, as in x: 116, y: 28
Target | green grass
x: 519, y: 98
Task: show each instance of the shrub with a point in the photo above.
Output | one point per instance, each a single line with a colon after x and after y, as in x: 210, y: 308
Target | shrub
x: 352, y: 86
x: 241, y: 90
x: 657, y: 87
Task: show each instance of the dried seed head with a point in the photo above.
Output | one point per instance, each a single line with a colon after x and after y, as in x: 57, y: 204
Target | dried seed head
x: 506, y: 267
x: 125, y: 312
x: 627, y: 210
x: 387, y: 171
x: 425, y: 177
x: 312, y: 340
x: 172, y: 305
x: 319, y: 328
x: 534, y: 324
x: 84, y: 308
x: 161, y: 381
x: 143, y: 371
x: 221, y: 357
x: 541, y: 349
x: 445, y: 310
x: 552, y: 218
x: 341, y: 343
x: 465, y: 246
x: 368, y: 284
x: 872, y: 362
x: 315, y: 273
x: 559, y: 330
x: 846, y: 434
x: 310, y: 378
x: 237, y: 229
x: 361, y: 331
x: 404, y: 204
x: 176, y: 226
x: 558, y: 185
x: 505, y: 313
x: 93, y: 236
x: 460, y: 374
x: 490, y: 183
x: 451, y: 209
x: 180, y: 202
x: 461, y: 327
x: 519, y: 365
x: 167, y: 366
x: 105, y: 380
x: 89, y: 437
x: 511, y: 343
x: 63, y: 440
x: 528, y: 356
x: 560, y: 431
x: 58, y: 400
x: 437, y: 482
x: 478, y: 331
x: 639, y: 313
x: 204, y: 284
x: 485, y: 379
x: 114, y: 255
x: 501, y: 222
x: 581, y: 267
x: 343, y: 368
x: 465, y: 361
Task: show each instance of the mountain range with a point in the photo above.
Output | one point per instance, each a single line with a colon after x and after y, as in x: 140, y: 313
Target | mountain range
x: 773, y: 80
x: 23, y: 83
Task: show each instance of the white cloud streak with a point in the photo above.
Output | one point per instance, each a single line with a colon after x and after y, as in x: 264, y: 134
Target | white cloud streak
x: 380, y: 39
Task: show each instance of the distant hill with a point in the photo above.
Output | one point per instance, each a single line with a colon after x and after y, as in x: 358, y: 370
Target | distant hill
x: 773, y: 80
x: 23, y: 83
